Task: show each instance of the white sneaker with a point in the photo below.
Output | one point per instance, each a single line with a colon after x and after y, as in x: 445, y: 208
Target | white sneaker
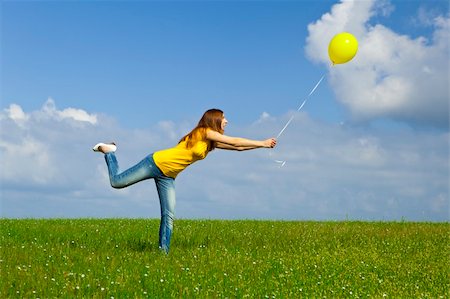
x: 105, y: 147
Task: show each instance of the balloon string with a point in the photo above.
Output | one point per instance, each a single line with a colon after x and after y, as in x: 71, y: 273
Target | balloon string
x: 300, y: 107
x: 281, y: 162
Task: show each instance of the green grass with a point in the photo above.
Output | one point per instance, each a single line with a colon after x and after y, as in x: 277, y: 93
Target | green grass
x: 119, y: 258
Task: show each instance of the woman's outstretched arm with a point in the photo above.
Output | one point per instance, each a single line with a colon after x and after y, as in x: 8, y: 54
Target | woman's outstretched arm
x: 238, y: 143
x: 234, y: 148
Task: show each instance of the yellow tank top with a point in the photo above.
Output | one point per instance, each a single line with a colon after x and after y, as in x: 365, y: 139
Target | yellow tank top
x: 174, y: 160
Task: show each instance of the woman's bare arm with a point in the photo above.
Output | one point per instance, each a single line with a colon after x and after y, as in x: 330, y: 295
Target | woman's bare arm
x: 238, y: 143
x: 233, y: 148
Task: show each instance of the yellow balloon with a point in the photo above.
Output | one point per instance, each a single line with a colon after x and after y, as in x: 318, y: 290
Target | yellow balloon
x: 342, y: 48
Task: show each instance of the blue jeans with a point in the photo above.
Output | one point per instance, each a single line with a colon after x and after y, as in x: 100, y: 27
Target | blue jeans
x: 147, y: 169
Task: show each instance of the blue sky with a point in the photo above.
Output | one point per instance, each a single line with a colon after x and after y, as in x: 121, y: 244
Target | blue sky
x: 372, y: 142
x: 194, y: 54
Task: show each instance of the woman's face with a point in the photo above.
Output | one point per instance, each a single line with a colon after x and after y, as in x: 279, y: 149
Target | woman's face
x: 224, y: 123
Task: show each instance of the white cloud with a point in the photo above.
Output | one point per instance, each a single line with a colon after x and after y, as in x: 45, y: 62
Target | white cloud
x: 332, y: 172
x: 78, y: 115
x: 265, y: 116
x: 347, y: 16
x: 426, y: 17
x: 32, y: 144
x: 16, y: 113
x: 28, y: 160
x: 49, y: 109
x: 392, y: 76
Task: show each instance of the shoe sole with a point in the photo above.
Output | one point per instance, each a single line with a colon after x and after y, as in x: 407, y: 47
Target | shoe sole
x: 111, y: 147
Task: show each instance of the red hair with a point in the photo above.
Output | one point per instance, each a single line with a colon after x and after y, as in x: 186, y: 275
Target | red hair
x: 211, y: 119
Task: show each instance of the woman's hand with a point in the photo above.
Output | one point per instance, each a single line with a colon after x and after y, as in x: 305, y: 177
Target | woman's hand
x: 270, y: 143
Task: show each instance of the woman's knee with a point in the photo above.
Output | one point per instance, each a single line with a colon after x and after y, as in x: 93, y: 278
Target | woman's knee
x: 168, y: 217
x: 117, y: 185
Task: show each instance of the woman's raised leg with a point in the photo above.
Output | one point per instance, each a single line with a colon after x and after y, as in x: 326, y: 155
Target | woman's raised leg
x: 141, y: 171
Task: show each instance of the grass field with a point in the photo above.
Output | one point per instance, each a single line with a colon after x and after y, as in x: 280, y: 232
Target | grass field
x: 119, y: 258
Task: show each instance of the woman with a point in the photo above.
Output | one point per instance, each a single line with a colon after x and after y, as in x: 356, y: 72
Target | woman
x: 164, y: 166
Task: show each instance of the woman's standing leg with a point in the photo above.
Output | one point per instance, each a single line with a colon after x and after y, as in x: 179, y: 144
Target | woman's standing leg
x: 166, y: 191
x: 165, y: 185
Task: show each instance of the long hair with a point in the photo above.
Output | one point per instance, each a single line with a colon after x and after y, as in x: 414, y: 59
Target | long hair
x: 211, y: 119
